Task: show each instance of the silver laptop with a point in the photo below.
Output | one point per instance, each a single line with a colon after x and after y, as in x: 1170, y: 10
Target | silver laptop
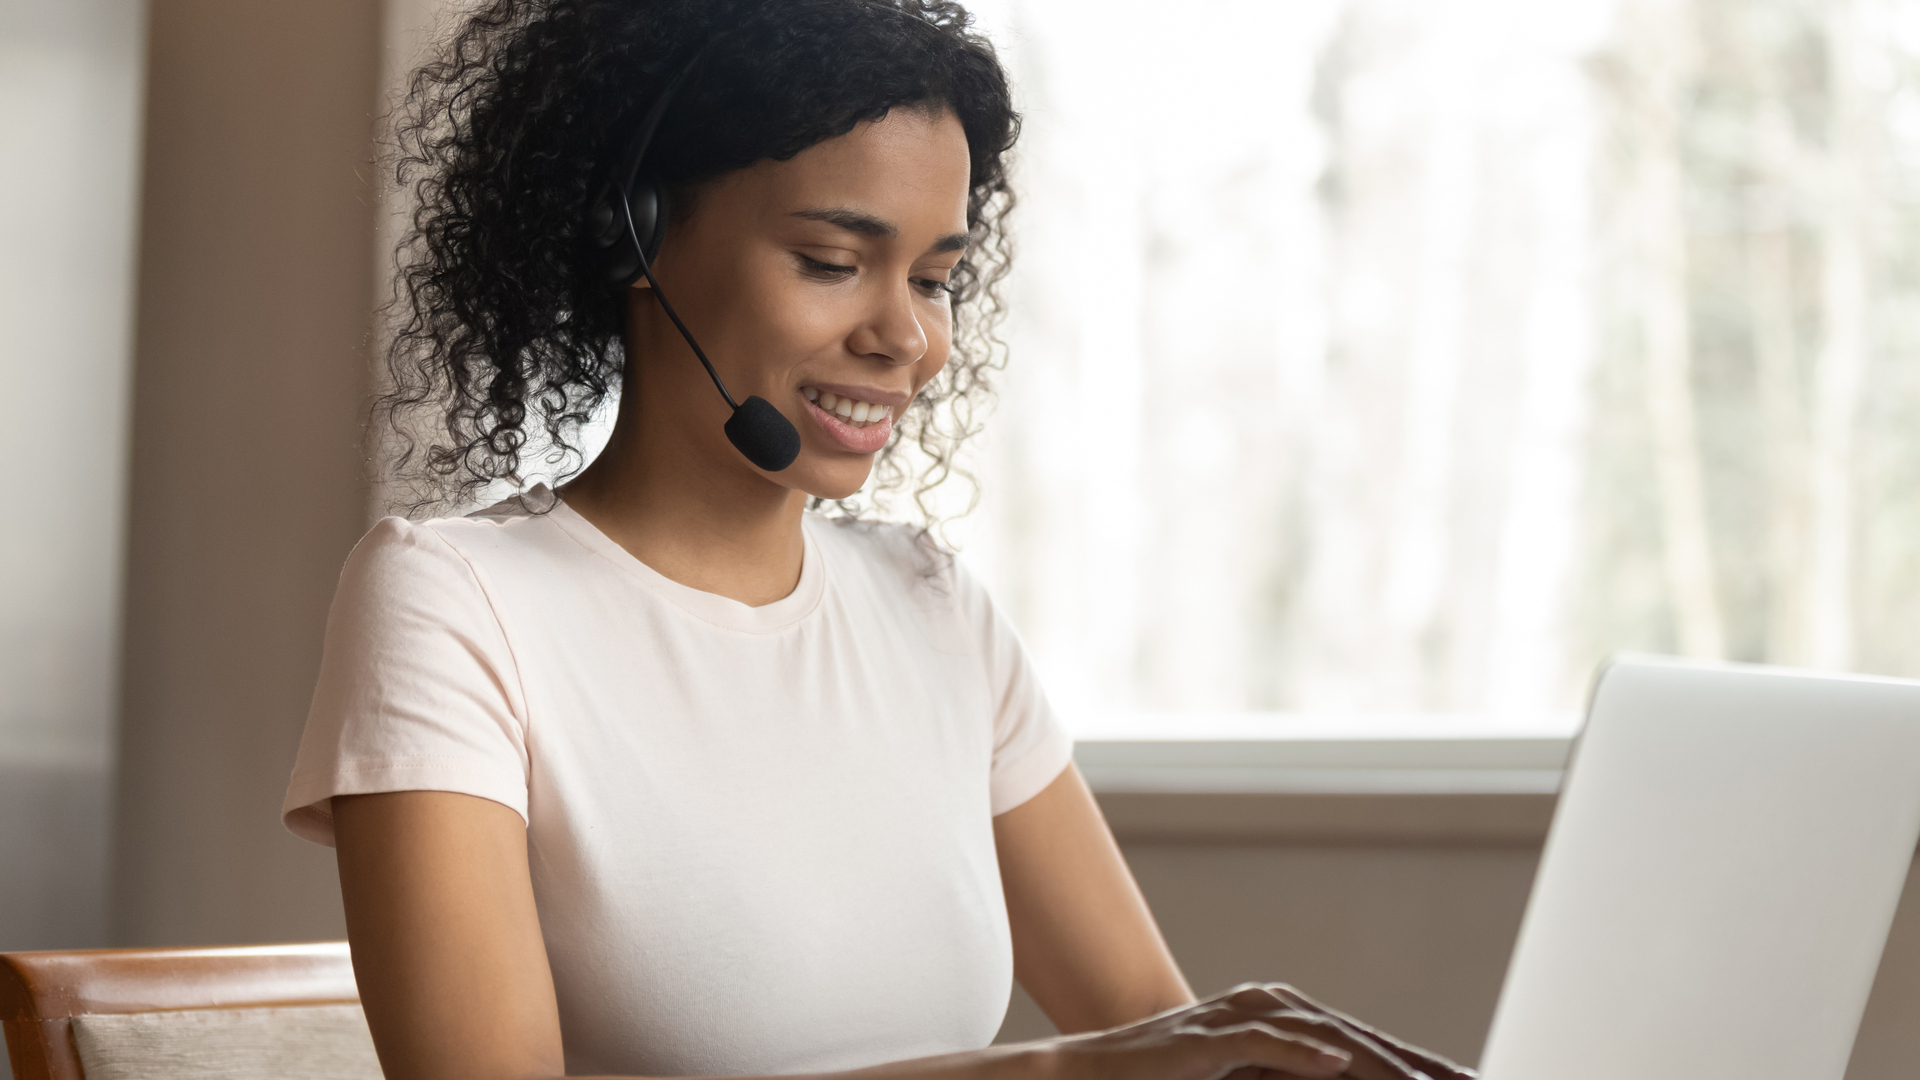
x: 1717, y: 886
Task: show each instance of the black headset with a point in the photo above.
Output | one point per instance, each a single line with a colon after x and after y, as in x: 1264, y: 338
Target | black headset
x: 627, y: 225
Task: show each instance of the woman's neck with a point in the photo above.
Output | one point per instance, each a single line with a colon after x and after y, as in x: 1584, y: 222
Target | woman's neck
x: 717, y: 527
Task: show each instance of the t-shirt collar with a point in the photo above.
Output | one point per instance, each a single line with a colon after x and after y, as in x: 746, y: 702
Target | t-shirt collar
x: 710, y: 607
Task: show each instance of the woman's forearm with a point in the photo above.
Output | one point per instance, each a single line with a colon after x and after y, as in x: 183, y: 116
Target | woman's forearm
x: 1084, y: 944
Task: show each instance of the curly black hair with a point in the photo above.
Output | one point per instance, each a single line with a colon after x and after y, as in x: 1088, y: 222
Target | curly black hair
x: 505, y: 334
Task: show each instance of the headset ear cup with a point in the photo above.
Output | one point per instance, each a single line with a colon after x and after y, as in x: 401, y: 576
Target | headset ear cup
x: 612, y: 253
x: 622, y: 266
x: 648, y: 206
x: 649, y: 203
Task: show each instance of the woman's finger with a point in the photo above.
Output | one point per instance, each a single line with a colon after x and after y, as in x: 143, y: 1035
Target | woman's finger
x: 1255, y: 997
x: 1434, y: 1065
x: 1371, y: 1059
x: 1255, y: 1043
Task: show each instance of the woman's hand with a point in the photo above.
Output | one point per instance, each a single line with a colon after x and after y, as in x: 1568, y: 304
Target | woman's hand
x: 1086, y: 948
x: 1433, y: 1065
x: 1253, y: 1032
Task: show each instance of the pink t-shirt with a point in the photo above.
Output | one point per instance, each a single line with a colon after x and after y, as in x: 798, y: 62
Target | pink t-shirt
x: 760, y: 837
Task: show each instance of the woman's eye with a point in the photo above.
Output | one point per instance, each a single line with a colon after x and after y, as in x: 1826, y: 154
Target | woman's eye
x: 824, y: 269
x: 935, y: 289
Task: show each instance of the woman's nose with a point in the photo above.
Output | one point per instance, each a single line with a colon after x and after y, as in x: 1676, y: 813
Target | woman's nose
x: 891, y: 330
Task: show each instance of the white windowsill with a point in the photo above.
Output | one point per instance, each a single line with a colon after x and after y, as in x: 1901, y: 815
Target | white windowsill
x: 1253, y: 753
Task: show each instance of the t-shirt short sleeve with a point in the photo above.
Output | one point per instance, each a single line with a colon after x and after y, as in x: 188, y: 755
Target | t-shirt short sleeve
x: 1030, y: 746
x: 418, y: 689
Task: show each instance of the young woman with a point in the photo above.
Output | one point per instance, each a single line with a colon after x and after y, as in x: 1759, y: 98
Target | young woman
x: 663, y: 774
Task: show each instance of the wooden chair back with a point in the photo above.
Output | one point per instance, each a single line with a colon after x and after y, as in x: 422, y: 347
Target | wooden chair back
x: 42, y: 992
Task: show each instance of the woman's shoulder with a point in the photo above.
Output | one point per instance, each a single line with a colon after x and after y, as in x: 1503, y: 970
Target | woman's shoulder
x: 405, y: 563
x: 447, y: 548
x: 903, y: 559
x: 884, y: 545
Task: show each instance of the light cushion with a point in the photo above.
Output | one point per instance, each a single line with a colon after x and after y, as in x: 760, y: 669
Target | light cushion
x: 303, y: 1042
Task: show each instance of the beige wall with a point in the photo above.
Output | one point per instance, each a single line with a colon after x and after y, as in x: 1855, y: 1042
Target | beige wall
x: 253, y: 294
x: 70, y: 90
x: 1400, y: 909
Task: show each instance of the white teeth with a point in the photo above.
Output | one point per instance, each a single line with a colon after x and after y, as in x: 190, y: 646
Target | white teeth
x: 856, y: 413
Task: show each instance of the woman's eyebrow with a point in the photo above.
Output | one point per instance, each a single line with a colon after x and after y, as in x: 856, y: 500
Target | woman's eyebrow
x: 865, y: 224
x: 854, y: 221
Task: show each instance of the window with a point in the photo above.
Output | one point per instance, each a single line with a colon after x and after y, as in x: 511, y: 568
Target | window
x: 1382, y: 356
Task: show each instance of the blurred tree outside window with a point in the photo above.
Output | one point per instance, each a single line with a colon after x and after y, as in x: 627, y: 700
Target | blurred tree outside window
x: 1410, y: 356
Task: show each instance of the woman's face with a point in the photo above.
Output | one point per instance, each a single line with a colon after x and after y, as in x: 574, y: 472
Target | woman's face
x: 818, y: 283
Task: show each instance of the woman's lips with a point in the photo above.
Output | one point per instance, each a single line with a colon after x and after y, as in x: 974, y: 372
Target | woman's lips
x: 862, y: 440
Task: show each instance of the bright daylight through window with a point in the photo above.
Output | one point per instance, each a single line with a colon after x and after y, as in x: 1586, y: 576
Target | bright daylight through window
x: 1410, y: 356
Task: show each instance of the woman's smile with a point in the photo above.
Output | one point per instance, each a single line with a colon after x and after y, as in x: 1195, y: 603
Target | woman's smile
x: 860, y: 420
